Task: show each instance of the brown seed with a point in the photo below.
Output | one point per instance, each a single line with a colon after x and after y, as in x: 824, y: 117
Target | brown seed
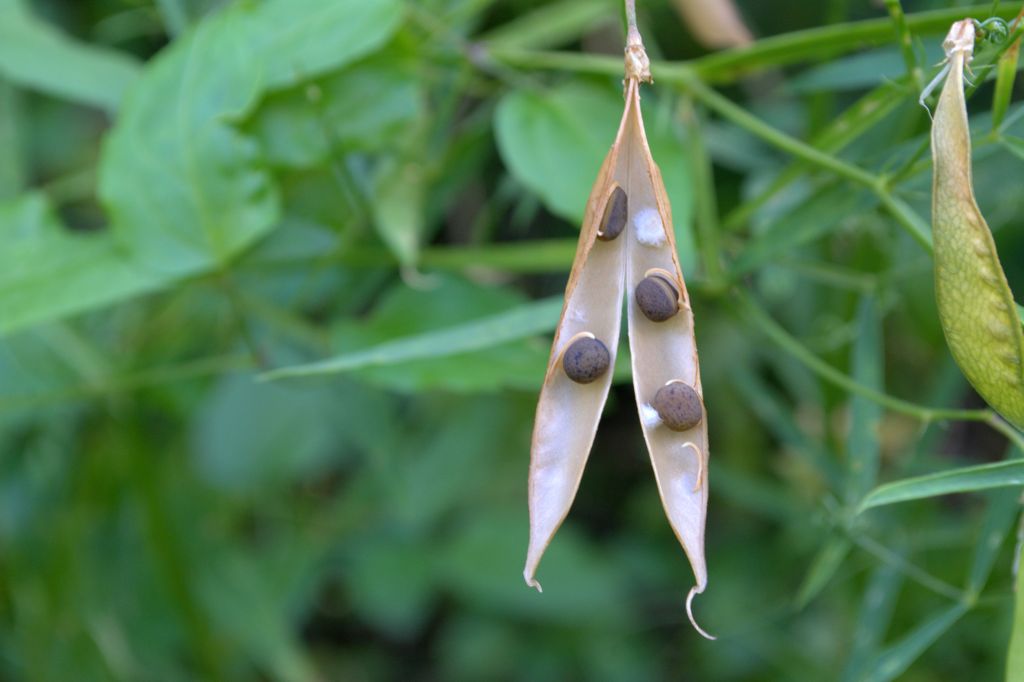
x: 585, y: 360
x: 657, y: 298
x: 678, y: 405
x: 614, y: 219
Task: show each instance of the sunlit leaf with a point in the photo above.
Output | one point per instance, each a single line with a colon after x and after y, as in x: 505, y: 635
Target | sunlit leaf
x: 961, y: 480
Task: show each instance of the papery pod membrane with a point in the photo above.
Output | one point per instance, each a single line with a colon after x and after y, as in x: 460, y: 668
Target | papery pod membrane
x: 568, y: 413
x: 976, y: 307
x: 664, y: 351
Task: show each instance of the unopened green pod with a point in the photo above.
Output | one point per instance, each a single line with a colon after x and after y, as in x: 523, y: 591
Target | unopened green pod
x: 976, y: 307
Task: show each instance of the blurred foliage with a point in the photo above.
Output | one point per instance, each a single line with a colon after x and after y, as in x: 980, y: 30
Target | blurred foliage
x: 386, y: 194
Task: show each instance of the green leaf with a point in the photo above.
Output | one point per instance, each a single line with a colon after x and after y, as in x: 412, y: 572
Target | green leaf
x: 877, y: 607
x: 1020, y: 312
x: 1003, y: 508
x: 185, y: 190
x: 1015, y: 651
x: 365, y: 107
x: 966, y: 479
x: 398, y: 208
x: 862, y: 447
x: 827, y: 561
x: 520, y: 322
x: 37, y: 55
x: 898, y: 657
x: 47, y: 272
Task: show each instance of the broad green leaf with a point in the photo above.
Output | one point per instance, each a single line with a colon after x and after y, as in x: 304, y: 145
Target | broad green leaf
x: 185, y: 190
x: 894, y: 660
x: 862, y: 446
x: 1015, y: 651
x: 1020, y: 313
x: 554, y: 142
x: 976, y: 307
x: 47, y: 272
x: 38, y: 56
x: 365, y: 107
x: 962, y: 480
x: 520, y: 322
x: 825, y: 564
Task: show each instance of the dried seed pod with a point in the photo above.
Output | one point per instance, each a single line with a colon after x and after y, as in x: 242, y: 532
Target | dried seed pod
x: 585, y: 359
x: 678, y: 406
x: 657, y: 297
x: 614, y: 219
x: 567, y: 415
x: 976, y: 307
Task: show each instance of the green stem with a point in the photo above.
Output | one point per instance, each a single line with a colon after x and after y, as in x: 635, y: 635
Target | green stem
x: 791, y: 345
x: 788, y: 48
x: 912, y: 571
x: 906, y: 42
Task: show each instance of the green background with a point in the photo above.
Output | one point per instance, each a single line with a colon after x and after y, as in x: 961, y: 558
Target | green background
x: 194, y: 193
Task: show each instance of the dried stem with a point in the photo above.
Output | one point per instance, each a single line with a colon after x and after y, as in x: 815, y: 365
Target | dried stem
x: 638, y: 66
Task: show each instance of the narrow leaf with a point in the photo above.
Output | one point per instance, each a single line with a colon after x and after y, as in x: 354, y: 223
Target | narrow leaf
x: 1015, y: 653
x: 898, y: 657
x: 526, y: 320
x: 877, y: 606
x: 828, y: 560
x: 966, y: 479
x: 1003, y: 508
x: 862, y: 448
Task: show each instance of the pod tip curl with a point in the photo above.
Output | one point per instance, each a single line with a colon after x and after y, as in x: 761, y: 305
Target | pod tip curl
x: 531, y: 581
x: 694, y: 591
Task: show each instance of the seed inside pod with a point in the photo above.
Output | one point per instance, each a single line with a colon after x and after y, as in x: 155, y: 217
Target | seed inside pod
x: 657, y: 298
x: 678, y: 405
x: 586, y: 359
x: 614, y: 219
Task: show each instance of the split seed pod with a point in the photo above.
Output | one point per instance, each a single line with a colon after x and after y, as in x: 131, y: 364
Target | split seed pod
x: 662, y: 352
x: 976, y: 307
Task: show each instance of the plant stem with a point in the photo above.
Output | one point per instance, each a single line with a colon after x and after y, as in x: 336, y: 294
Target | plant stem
x: 791, y: 345
x: 906, y: 43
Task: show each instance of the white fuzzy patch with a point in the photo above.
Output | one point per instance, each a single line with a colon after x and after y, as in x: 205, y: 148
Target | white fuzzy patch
x: 650, y: 231
x: 649, y: 416
x: 573, y: 314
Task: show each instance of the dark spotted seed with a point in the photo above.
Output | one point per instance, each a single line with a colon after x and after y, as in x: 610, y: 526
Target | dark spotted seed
x: 614, y: 219
x: 678, y: 405
x: 585, y: 360
x: 657, y: 298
